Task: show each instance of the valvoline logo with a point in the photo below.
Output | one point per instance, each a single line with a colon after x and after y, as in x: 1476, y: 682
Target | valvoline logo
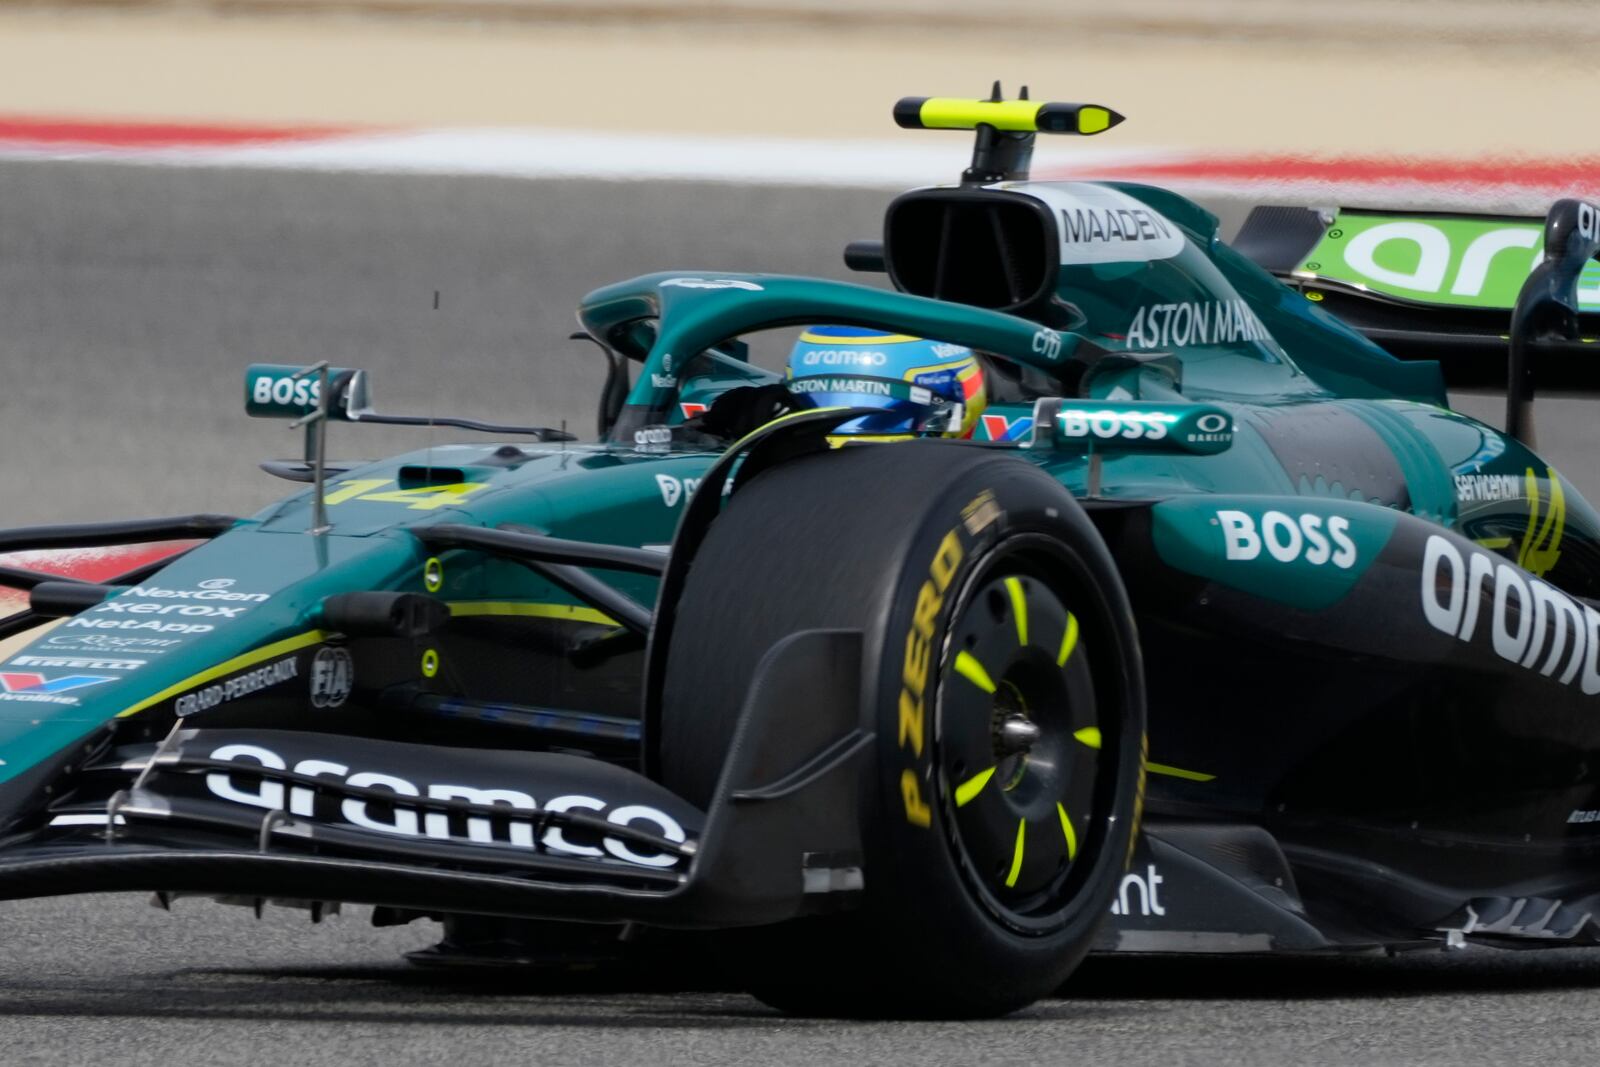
x: 29, y: 682
x: 1000, y: 428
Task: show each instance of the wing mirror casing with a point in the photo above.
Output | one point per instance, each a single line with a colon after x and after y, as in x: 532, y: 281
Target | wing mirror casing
x: 274, y: 391
x: 1099, y: 426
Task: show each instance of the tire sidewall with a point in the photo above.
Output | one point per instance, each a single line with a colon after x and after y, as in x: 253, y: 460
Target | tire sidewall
x: 914, y: 872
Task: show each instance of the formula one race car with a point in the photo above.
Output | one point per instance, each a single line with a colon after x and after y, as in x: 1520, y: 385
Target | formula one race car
x: 1204, y: 626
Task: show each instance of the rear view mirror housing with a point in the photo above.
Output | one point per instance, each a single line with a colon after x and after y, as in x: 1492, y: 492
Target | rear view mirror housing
x: 275, y: 391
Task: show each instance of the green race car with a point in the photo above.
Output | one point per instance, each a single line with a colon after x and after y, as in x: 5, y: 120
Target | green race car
x: 1187, y: 618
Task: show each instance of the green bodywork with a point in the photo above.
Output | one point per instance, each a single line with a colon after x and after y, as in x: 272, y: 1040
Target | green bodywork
x: 1201, y: 331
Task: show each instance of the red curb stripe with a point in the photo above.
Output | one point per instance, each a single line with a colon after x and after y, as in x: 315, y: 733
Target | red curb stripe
x: 1454, y: 173
x: 90, y: 564
x: 35, y: 130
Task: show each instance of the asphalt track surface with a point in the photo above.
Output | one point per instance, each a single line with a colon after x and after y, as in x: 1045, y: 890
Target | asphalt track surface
x: 129, y: 300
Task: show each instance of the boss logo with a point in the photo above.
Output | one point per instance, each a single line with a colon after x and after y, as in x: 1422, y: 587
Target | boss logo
x: 1131, y: 425
x: 1287, y: 538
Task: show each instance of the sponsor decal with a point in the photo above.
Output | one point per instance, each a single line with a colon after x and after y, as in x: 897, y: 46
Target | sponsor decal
x: 333, y: 675
x: 676, y: 489
x: 240, y: 685
x: 944, y: 351
x: 1106, y: 424
x: 843, y: 357
x: 1001, y: 428
x: 1200, y: 322
x: 663, y: 381
x: 87, y: 663
x: 32, y: 687
x: 691, y: 410
x: 206, y: 591
x: 1584, y: 816
x: 304, y: 392
x: 1528, y: 622
x: 1540, y: 548
x: 653, y: 435
x: 1097, y: 224
x: 138, y: 624
x: 1316, y: 539
x: 917, y: 664
x: 394, y: 817
x: 1480, y: 488
x: 711, y: 283
x: 124, y: 607
x: 1047, y: 343
x: 1462, y: 262
x: 1139, y: 894
x: 864, y: 386
x: 144, y: 646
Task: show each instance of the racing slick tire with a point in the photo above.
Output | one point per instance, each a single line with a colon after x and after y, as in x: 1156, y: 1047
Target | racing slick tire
x: 1007, y: 697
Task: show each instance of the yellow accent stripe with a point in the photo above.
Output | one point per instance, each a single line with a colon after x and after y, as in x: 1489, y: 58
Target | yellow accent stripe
x: 779, y: 421
x: 948, y: 113
x: 882, y: 338
x: 1069, y: 640
x: 1178, y: 772
x: 277, y: 648
x: 1019, y: 609
x: 1066, y: 828
x: 969, y: 668
x: 1089, y: 735
x: 1093, y: 119
x: 566, y: 612
x: 1016, y: 857
x: 965, y: 362
x: 967, y: 790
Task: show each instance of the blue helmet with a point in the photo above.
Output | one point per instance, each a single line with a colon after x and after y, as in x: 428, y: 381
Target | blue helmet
x: 909, y: 378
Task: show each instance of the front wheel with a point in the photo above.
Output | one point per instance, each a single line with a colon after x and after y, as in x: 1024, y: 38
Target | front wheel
x: 1006, y: 690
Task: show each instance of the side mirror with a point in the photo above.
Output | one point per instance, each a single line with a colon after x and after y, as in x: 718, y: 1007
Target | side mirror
x: 1098, y: 426
x: 273, y: 391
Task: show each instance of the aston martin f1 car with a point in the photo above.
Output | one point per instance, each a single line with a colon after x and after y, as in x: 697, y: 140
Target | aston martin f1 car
x: 1218, y: 631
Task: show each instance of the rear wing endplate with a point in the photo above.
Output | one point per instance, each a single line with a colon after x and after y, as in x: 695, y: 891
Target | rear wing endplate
x: 1502, y: 303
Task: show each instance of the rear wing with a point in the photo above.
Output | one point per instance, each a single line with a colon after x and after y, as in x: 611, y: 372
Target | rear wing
x: 1502, y: 303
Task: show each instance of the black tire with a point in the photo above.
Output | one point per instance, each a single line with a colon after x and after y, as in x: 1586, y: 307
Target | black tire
x: 958, y: 917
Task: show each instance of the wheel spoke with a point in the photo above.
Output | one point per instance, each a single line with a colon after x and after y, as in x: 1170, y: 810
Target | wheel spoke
x: 1016, y: 857
x: 1178, y: 772
x: 968, y: 667
x: 968, y: 790
x: 1019, y: 609
x: 1069, y: 640
x: 1066, y: 828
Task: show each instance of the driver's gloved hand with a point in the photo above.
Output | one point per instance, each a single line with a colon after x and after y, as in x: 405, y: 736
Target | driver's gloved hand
x: 742, y: 410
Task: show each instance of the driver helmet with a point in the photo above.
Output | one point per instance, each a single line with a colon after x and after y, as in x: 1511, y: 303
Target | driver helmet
x: 910, y: 378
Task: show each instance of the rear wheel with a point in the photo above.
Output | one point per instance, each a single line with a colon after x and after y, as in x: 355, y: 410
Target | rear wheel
x: 1004, y: 676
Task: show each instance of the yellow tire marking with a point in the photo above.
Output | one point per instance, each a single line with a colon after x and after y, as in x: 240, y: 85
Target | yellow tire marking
x: 1016, y: 857
x: 1066, y: 828
x: 969, y: 668
x: 1179, y: 772
x: 1019, y: 609
x: 1089, y: 735
x: 1069, y: 640
x: 969, y: 789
